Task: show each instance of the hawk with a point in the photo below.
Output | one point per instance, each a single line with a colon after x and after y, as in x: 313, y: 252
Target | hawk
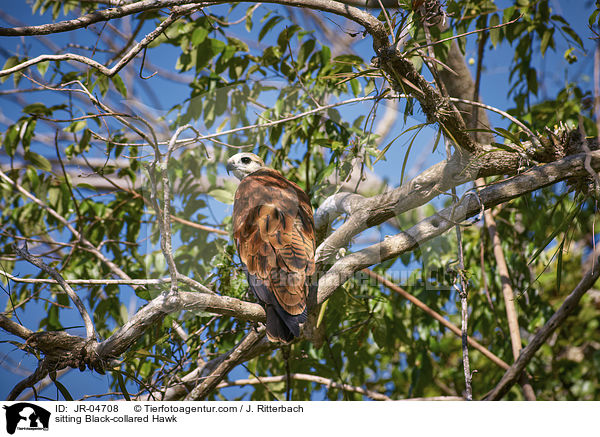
x: 274, y: 232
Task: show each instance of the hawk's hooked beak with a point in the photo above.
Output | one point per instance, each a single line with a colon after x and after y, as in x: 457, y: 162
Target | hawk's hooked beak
x: 229, y: 167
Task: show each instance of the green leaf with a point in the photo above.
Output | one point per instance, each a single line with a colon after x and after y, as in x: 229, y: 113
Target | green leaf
x: 76, y: 126
x: 38, y: 161
x: 547, y: 40
x: 86, y: 186
x: 10, y: 62
x: 532, y: 82
x: 565, y: 223
x: 569, y: 31
x: 513, y: 138
x: 63, y: 390
x: 408, y: 153
x: 37, y: 109
x: 119, y: 85
x: 249, y: 14
x: 505, y: 147
x: 559, y: 265
x: 122, y: 386
x: 268, y: 26
x: 383, y: 151
x: 84, y: 142
x: 284, y: 37
x: 592, y: 19
x: 11, y: 140
x: 495, y: 33
x: 355, y: 86
x: 199, y: 35
x: 305, y: 51
x: 28, y: 134
x: 102, y: 83
x: 222, y: 195
x: 43, y: 67
x: 206, y: 51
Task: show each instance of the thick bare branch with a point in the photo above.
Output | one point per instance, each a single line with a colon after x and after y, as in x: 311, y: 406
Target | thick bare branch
x: 370, y: 23
x: 14, y: 328
x: 162, y: 305
x: 40, y: 373
x: 470, y: 205
x: 438, y: 179
x: 98, y: 66
x: 91, y: 18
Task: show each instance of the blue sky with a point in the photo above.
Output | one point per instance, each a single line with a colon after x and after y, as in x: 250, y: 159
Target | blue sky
x: 554, y: 73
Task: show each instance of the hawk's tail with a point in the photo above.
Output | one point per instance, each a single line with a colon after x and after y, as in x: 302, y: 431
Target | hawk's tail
x: 282, y: 326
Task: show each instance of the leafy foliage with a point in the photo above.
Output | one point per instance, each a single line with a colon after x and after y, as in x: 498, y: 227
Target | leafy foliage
x: 268, y: 67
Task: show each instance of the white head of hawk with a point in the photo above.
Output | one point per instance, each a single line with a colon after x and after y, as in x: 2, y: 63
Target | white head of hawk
x: 243, y: 164
x: 274, y: 232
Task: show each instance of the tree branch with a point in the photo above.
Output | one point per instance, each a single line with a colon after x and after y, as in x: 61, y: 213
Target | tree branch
x: 310, y: 378
x: 470, y: 205
x: 370, y: 23
x: 430, y: 183
x: 95, y: 64
x: 40, y: 373
x: 14, y: 328
x: 91, y: 18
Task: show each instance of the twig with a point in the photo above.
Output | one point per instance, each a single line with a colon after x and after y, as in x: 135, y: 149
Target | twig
x: 294, y: 117
x: 387, y: 18
x: 436, y: 398
x: 185, y: 141
x: 89, y: 325
x: 498, y: 111
x: 260, y: 381
x: 597, y: 86
x: 88, y: 281
x: 142, y: 67
x: 557, y: 319
x: 464, y: 312
x: 310, y: 378
x: 95, y: 64
x: 450, y: 38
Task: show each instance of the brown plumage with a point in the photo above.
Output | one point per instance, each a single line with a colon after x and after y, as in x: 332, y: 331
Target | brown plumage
x: 274, y: 233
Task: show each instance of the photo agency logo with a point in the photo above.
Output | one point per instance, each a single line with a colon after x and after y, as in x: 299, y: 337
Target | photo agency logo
x: 26, y: 417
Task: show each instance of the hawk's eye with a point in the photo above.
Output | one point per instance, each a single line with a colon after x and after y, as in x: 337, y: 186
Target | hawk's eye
x: 246, y: 160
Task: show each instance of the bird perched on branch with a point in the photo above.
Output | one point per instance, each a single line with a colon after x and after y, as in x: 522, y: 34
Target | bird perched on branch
x: 274, y: 232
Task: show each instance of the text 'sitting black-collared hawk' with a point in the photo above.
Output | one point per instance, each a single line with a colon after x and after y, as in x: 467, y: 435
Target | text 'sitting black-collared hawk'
x: 274, y: 232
